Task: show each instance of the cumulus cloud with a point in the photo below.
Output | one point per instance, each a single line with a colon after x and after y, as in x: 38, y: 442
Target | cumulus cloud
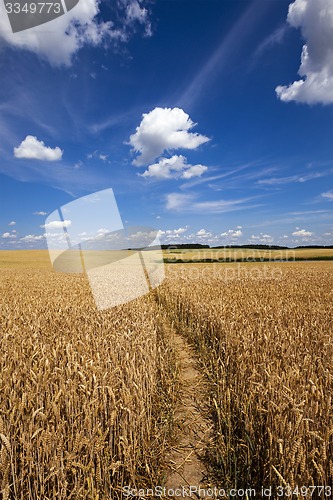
x: 315, y: 19
x: 33, y: 237
x: 175, y: 167
x: 57, y: 224
x: 262, y: 238
x: 33, y: 149
x: 12, y: 223
x: 6, y: 235
x: 302, y: 233
x: 170, y: 233
x: 164, y: 129
x: 233, y: 233
x: 67, y: 34
x: 202, y: 233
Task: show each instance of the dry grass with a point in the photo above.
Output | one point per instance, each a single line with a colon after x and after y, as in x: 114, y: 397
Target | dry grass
x: 266, y: 347
x: 85, y: 396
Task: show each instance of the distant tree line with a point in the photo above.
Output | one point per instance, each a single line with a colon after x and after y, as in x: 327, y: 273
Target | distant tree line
x: 194, y: 246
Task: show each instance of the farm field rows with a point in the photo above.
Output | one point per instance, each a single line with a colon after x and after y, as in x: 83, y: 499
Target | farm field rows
x: 87, y: 398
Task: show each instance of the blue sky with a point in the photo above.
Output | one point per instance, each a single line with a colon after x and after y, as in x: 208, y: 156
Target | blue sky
x: 211, y: 120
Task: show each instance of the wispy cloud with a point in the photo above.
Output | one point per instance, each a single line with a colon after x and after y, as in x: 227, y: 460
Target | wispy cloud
x: 223, y: 54
x: 270, y: 41
x: 328, y: 196
x: 274, y: 181
x: 113, y: 121
x: 214, y: 177
x: 295, y: 217
x: 187, y: 203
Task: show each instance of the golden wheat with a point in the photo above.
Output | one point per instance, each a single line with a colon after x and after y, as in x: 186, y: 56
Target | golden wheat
x: 83, y: 394
x: 87, y: 397
x: 266, y: 346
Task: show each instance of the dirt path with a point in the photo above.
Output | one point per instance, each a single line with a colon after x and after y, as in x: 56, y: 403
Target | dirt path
x: 193, y: 431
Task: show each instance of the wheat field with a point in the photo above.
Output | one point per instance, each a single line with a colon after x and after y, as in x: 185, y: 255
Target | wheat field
x: 265, y: 344
x: 248, y: 254
x: 84, y: 395
x: 87, y: 398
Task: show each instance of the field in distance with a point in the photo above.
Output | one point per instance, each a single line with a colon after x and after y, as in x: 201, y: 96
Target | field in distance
x: 248, y: 254
x: 39, y: 259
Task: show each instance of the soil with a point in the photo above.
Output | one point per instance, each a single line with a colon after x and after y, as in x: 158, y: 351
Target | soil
x: 185, y: 466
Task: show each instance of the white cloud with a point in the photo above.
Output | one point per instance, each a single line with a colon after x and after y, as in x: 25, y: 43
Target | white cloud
x: 136, y: 13
x: 32, y: 237
x: 180, y: 230
x: 233, y: 233
x: 262, y: 238
x: 7, y: 235
x: 194, y: 171
x: 32, y: 148
x: 174, y: 168
x: 164, y: 129
x: 202, y: 233
x: 292, y: 178
x: 168, y: 233
x: 302, y: 233
x: 327, y: 196
x: 58, y: 224
x: 67, y: 34
x: 40, y: 213
x: 274, y: 38
x: 315, y: 19
x: 175, y: 201
x: 220, y: 206
x: 187, y: 203
x: 12, y: 223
